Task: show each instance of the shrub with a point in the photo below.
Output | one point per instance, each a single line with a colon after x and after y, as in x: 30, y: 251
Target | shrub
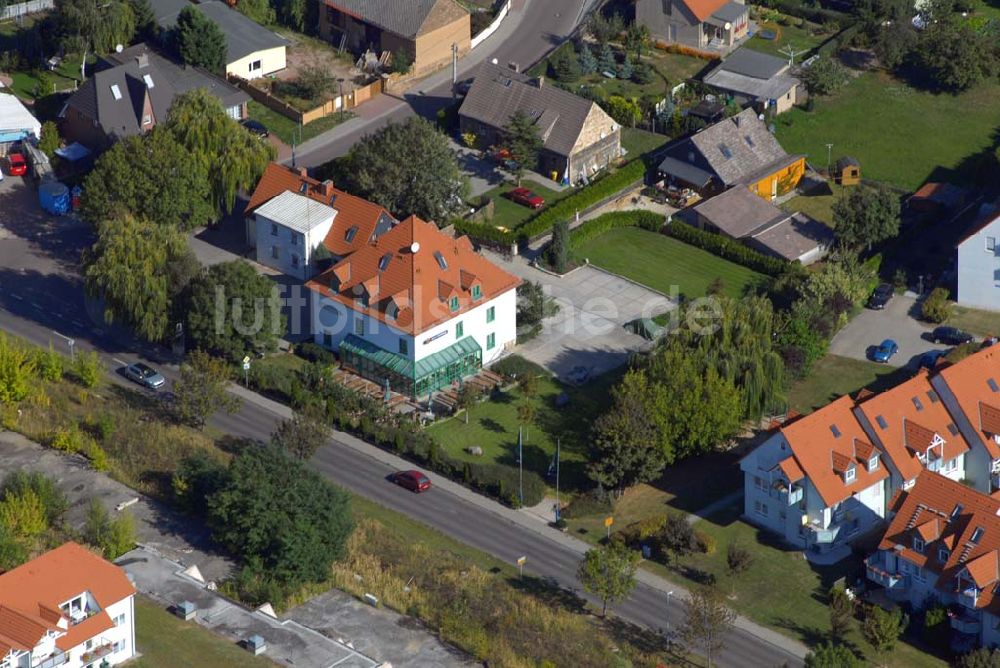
x: 671, y: 47
x: 23, y: 513
x: 88, y: 368
x: 95, y: 453
x: 588, y: 504
x: 313, y: 352
x: 515, y: 366
x: 729, y: 249
x: 45, y: 488
x: 936, y: 307
x: 67, y: 439
x: 705, y: 542
x: 486, y: 234
x: 604, y: 223
x: 49, y: 363
x: 608, y: 185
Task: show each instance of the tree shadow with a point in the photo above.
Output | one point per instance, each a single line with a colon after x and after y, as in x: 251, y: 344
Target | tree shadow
x: 549, y: 591
x: 810, y: 635
x: 490, y: 424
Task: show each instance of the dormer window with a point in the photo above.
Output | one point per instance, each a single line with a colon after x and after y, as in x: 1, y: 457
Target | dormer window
x: 453, y: 304
x: 849, y: 474
x: 943, y: 555
x: 873, y: 462
x: 477, y: 292
x: 918, y: 544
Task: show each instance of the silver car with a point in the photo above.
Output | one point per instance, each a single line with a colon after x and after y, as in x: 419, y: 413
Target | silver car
x: 145, y: 376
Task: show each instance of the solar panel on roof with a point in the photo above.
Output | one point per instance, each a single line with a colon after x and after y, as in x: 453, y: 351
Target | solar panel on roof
x: 835, y: 431
x: 116, y: 91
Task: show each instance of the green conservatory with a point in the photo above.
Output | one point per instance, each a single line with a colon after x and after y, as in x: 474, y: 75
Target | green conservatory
x: 406, y: 376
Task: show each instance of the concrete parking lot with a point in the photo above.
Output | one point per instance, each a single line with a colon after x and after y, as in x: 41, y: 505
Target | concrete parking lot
x: 899, y: 321
x: 588, y: 329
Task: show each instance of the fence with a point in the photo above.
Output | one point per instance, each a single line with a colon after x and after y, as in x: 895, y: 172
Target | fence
x: 493, y: 27
x: 350, y: 100
x: 25, y: 8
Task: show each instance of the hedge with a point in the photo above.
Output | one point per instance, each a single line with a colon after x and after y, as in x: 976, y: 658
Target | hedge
x: 728, y: 249
x: 486, y: 234
x: 601, y: 189
x: 814, y: 14
x: 591, y: 229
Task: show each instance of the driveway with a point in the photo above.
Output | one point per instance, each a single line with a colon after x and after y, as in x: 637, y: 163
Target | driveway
x: 897, y: 321
x: 593, y: 307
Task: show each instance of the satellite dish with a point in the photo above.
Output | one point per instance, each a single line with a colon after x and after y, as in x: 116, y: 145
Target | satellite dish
x: 760, y: 117
x: 495, y: 61
x: 728, y: 26
x: 119, y: 48
x: 414, y: 247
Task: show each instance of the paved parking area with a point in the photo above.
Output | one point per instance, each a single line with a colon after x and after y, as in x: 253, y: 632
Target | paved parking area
x: 899, y: 321
x: 588, y: 330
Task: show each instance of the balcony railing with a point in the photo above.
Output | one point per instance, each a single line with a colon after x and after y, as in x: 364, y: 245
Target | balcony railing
x: 96, y: 652
x: 883, y: 577
x: 968, y: 597
x: 966, y: 624
x: 821, y: 535
x: 56, y: 659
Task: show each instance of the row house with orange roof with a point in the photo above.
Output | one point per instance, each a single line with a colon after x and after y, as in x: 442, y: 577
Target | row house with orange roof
x: 942, y: 547
x: 843, y: 461
x: 68, y: 607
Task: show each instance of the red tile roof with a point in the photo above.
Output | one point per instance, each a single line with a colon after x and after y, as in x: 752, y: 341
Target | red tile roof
x: 352, y: 212
x: 914, y: 418
x: 30, y: 596
x: 702, y: 9
x: 947, y: 514
x: 969, y: 382
x: 419, y: 284
x: 825, y: 442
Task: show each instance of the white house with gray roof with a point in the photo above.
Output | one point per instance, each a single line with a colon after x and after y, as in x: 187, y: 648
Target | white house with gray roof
x: 252, y: 50
x: 289, y: 229
x: 756, y: 78
x: 578, y: 137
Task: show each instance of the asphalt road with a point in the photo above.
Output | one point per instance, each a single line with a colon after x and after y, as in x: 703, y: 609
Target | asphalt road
x: 543, y: 25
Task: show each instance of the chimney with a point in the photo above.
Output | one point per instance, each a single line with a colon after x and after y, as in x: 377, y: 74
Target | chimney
x: 303, y: 172
x: 328, y: 188
x: 142, y: 59
x: 539, y: 81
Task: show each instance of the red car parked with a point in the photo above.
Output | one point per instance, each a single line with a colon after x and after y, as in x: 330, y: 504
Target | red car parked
x: 16, y: 166
x: 415, y: 481
x: 525, y: 197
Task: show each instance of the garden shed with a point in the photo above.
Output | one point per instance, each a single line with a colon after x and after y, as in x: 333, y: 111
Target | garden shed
x: 847, y: 171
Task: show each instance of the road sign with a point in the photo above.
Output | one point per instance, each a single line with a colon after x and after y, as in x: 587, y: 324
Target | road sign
x: 246, y: 366
x: 608, y: 521
x: 521, y: 560
x: 246, y: 361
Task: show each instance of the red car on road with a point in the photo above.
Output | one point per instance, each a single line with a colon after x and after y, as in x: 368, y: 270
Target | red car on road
x: 415, y: 481
x: 16, y: 166
x: 525, y: 197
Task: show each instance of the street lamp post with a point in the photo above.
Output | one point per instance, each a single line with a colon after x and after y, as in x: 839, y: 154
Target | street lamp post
x: 829, y: 158
x: 70, y: 342
x: 669, y: 594
x: 340, y: 85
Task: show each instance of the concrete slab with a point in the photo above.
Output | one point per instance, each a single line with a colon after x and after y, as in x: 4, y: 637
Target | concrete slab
x: 897, y: 321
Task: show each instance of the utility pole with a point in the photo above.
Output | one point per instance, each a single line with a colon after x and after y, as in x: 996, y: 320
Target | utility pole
x: 520, y: 467
x: 557, y: 480
x: 454, y: 70
x: 829, y: 154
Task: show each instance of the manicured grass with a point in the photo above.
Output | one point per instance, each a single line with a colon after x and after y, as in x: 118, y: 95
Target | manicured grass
x: 819, y: 205
x: 900, y: 135
x: 288, y: 130
x: 662, y: 262
x: 800, y: 39
x: 834, y: 376
x: 493, y: 426
x: 974, y: 321
x: 637, y: 141
x: 168, y: 642
x: 510, y: 215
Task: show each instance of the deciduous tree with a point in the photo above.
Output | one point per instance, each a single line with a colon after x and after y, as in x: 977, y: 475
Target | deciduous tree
x: 17, y: 368
x: 200, y: 41
x: 274, y: 510
x: 829, y: 655
x: 85, y: 26
x: 678, y: 538
x: 50, y: 140
x: 258, y: 11
x: 707, y: 623
x: 608, y: 572
x: 841, y: 614
x: 233, y: 311
x: 202, y: 389
x: 955, y: 56
x: 303, y: 434
x: 738, y: 561
x: 408, y: 168
x: 824, y: 76
x: 232, y: 158
x: 128, y: 269
x: 864, y: 216
x: 882, y: 628
x: 23, y: 513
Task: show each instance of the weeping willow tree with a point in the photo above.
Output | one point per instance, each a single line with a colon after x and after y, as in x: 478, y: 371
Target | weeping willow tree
x: 129, y: 268
x: 233, y: 158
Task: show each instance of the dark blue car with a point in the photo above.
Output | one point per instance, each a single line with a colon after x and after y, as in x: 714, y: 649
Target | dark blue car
x: 885, y: 350
x: 930, y: 359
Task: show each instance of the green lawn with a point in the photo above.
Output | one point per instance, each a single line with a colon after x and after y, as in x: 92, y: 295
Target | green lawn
x: 834, y: 376
x: 493, y: 426
x: 817, y: 205
x: 661, y: 262
x: 974, y: 321
x: 168, y: 642
x: 900, y: 135
x: 800, y: 39
x: 288, y: 130
x: 510, y: 215
x: 637, y: 141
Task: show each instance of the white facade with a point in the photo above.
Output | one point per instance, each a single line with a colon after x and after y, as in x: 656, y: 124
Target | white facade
x: 259, y: 63
x: 288, y: 230
x: 795, y: 510
x: 493, y: 325
x: 979, y: 267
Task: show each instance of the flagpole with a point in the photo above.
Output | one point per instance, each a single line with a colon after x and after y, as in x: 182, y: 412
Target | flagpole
x: 520, y: 467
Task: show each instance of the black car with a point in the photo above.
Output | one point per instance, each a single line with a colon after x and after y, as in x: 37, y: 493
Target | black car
x: 881, y: 296
x: 255, y: 127
x: 953, y: 336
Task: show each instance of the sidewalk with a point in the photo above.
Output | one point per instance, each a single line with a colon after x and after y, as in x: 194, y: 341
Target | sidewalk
x: 524, y: 519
